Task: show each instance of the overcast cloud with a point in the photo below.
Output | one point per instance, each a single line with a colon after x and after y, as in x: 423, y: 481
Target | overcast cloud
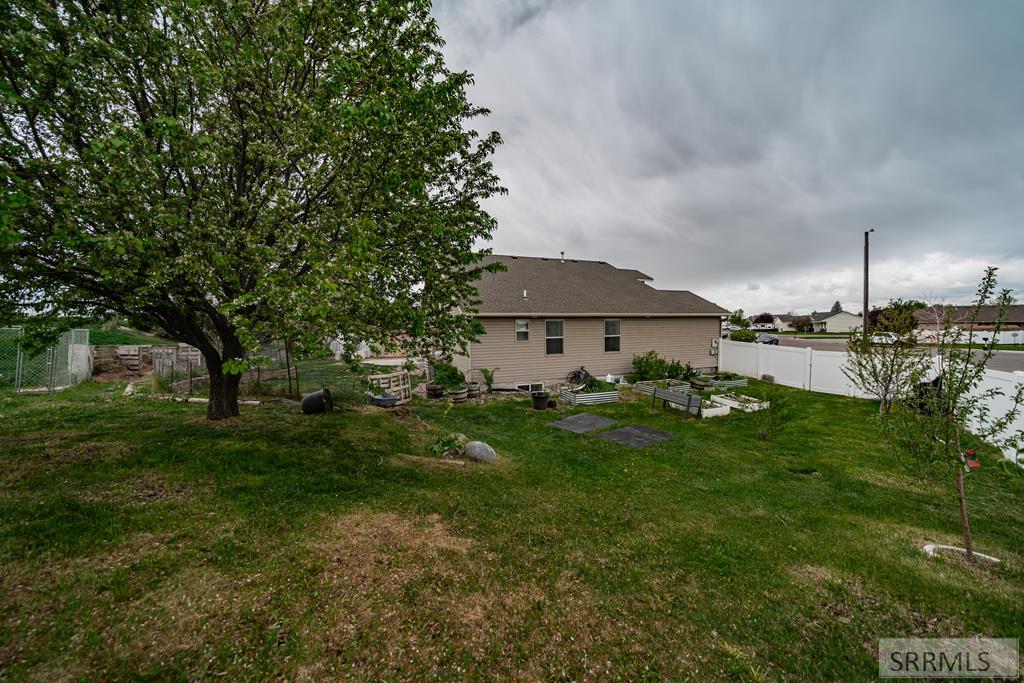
x: 740, y: 149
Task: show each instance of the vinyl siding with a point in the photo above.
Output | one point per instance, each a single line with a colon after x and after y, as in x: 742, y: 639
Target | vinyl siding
x: 687, y: 340
x: 841, y: 322
x: 463, y: 364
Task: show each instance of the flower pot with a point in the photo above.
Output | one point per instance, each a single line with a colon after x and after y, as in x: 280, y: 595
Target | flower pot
x: 317, y: 402
x: 540, y: 399
x: 473, y: 389
x: 459, y: 395
x: 435, y: 391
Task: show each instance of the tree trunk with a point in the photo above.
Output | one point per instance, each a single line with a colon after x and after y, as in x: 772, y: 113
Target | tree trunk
x: 964, y: 522
x: 223, y: 395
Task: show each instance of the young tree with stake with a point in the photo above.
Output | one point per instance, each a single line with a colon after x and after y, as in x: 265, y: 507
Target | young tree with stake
x: 931, y: 427
x: 230, y: 172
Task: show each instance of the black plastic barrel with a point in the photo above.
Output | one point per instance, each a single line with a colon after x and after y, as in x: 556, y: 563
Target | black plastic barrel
x: 540, y: 400
x: 317, y: 402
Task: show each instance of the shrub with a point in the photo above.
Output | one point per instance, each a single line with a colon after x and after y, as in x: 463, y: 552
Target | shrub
x: 444, y: 442
x: 743, y: 335
x: 689, y: 372
x: 674, y: 370
x: 488, y: 374
x: 448, y: 376
x: 595, y: 385
x: 649, y: 366
x: 803, y: 323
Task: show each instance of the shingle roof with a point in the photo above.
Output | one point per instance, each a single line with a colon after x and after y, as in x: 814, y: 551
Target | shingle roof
x: 818, y: 317
x: 1014, y: 314
x: 785, y: 317
x: 572, y: 287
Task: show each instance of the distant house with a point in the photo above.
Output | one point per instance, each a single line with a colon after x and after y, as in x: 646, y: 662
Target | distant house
x: 837, y: 322
x: 929, y: 321
x: 544, y: 317
x: 927, y: 318
x: 784, y: 322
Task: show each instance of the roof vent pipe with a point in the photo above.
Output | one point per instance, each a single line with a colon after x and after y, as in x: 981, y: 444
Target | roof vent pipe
x: 524, y: 293
x: 563, y: 257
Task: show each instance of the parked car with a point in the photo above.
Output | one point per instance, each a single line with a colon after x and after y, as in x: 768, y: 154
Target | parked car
x: 763, y: 338
x: 884, y: 338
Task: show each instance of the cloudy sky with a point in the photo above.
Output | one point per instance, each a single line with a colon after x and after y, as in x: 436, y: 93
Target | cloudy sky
x: 740, y: 149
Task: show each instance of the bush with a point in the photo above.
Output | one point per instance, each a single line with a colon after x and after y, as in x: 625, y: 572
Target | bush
x: 743, y: 335
x: 488, y: 374
x: 443, y: 443
x: 448, y: 376
x: 649, y: 366
x: 674, y: 370
x: 689, y: 372
x: 595, y: 385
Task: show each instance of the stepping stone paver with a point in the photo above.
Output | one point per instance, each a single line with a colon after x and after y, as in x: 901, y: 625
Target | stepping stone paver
x: 635, y: 436
x: 582, y: 423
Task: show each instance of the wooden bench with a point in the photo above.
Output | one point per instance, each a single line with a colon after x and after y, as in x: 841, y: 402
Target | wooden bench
x: 689, y: 402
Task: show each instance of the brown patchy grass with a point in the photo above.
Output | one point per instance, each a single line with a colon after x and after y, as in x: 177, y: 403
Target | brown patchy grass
x: 321, y: 547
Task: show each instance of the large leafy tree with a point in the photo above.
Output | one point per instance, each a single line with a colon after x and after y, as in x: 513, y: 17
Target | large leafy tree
x: 230, y: 171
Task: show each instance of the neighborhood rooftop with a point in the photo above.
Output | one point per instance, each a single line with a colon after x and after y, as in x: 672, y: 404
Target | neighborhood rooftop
x: 572, y: 287
x: 987, y: 314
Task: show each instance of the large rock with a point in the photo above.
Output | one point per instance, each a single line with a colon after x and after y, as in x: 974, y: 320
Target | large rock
x: 480, y: 452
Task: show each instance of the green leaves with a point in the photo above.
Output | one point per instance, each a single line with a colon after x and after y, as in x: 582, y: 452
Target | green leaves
x: 228, y: 173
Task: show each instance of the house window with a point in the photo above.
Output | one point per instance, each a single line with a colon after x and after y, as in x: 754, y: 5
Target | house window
x: 554, y: 337
x: 522, y: 330
x: 611, y: 335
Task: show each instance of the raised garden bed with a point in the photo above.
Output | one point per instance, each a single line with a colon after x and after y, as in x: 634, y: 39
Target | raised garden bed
x: 707, y: 409
x: 648, y: 386
x: 740, y: 402
x: 728, y: 383
x: 709, y: 382
x: 712, y: 409
x: 581, y: 398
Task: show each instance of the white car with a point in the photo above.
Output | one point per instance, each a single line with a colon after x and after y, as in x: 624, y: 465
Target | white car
x: 884, y: 338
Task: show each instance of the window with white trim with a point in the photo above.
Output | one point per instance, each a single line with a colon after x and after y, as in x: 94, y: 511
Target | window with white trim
x: 554, y: 337
x: 522, y: 330
x: 611, y: 335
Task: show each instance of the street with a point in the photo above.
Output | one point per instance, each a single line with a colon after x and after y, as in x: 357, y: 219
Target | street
x: 1006, y: 361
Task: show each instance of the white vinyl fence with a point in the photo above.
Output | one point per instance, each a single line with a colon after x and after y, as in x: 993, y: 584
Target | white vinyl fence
x: 822, y: 371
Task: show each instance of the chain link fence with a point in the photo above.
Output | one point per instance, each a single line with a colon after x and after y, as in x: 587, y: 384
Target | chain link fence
x: 64, y: 364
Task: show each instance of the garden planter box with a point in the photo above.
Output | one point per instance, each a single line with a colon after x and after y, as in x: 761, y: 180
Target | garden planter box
x: 647, y: 387
x: 714, y: 410
x: 706, y: 409
x: 728, y: 383
x: 580, y: 399
x: 744, y: 403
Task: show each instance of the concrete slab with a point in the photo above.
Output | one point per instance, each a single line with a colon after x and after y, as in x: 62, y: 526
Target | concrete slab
x: 582, y: 423
x: 635, y: 436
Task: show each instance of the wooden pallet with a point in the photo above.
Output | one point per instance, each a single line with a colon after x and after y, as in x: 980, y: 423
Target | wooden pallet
x: 397, y: 383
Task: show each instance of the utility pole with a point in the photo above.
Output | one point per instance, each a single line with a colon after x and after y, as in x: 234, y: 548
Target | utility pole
x: 864, y: 311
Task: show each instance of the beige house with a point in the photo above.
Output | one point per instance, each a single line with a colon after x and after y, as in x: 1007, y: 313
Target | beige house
x: 784, y: 322
x: 837, y: 322
x: 545, y: 317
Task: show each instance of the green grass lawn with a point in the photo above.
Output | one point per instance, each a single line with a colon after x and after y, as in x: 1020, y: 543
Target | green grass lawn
x: 98, y: 334
x: 138, y: 540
